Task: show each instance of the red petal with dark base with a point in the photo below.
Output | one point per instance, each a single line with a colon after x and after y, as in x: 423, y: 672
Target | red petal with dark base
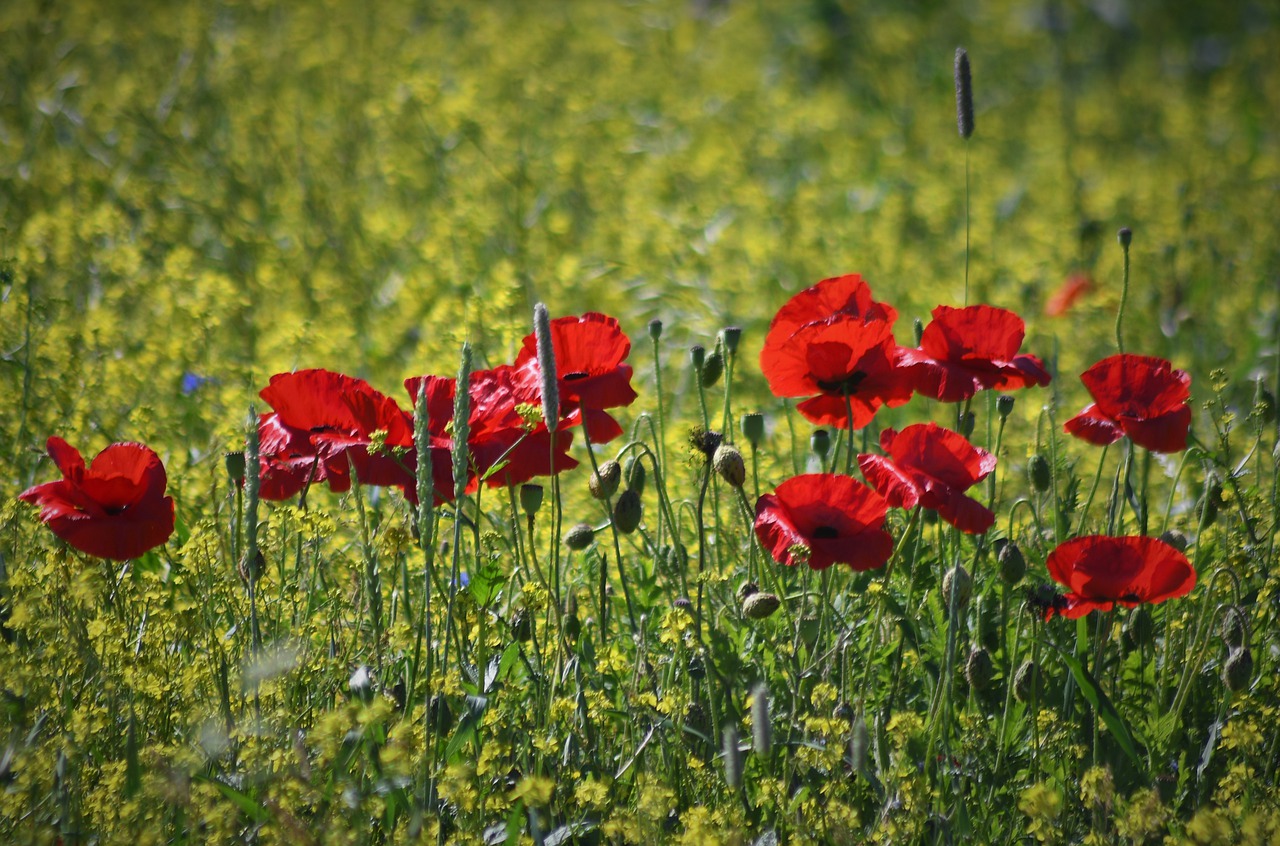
x: 823, y: 519
x: 1138, y: 396
x: 1100, y: 571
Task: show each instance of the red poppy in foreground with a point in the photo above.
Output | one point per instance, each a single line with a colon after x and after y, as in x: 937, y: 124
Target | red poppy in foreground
x: 590, y: 375
x: 1100, y: 571
x: 114, y: 508
x: 848, y: 363
x: 1135, y: 395
x: 822, y: 519
x: 964, y: 350
x: 932, y: 467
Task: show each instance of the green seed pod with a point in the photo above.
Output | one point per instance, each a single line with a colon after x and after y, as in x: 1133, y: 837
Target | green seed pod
x: 1175, y: 539
x: 1125, y: 236
x: 957, y: 579
x: 579, y: 536
x: 1039, y: 472
x: 1027, y: 682
x: 979, y: 670
x: 604, y: 482
x: 1211, y: 502
x: 729, y: 464
x: 820, y: 443
x: 760, y: 605
x: 1139, y: 628
x: 712, y: 368
x: 753, y: 428
x: 235, y: 467
x: 967, y: 421
x: 1004, y: 405
x: 627, y: 512
x: 655, y: 329
x: 697, y: 357
x: 530, y: 498
x: 633, y: 473
x: 1012, y: 565
x: 731, y: 336
x: 917, y: 326
x: 1237, y: 673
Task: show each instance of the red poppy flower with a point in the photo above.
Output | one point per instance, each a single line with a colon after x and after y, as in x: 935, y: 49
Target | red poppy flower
x: 341, y: 415
x: 839, y: 297
x: 503, y: 427
x: 114, y: 508
x: 288, y: 461
x: 964, y: 350
x: 1069, y: 292
x: 1100, y: 571
x: 1139, y: 396
x: 842, y: 356
x: 933, y: 467
x: 821, y: 519
x: 590, y: 374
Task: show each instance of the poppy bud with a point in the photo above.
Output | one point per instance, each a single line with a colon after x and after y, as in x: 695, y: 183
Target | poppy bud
x: 712, y: 367
x: 728, y: 463
x: 1211, y: 502
x: 761, y: 722
x: 843, y: 712
x: 731, y: 335
x: 1175, y: 539
x: 753, y: 428
x: 918, y: 327
x: 760, y: 605
x: 572, y: 625
x: 530, y: 498
x: 732, y: 756
x: 978, y: 670
x: 1039, y: 472
x: 1004, y: 405
x: 634, y: 473
x: 697, y: 669
x: 1026, y: 682
x: 655, y: 329
x: 1012, y: 565
x: 604, y: 482
x: 1139, y: 628
x: 746, y: 589
x: 967, y: 421
x: 235, y: 467
x: 1237, y: 673
x: 579, y: 536
x: 820, y: 443
x: 1125, y: 237
x: 957, y: 579
x: 627, y: 512
x: 1235, y: 627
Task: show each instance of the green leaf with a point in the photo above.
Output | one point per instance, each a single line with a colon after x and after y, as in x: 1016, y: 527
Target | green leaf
x: 1101, y: 705
x: 250, y: 808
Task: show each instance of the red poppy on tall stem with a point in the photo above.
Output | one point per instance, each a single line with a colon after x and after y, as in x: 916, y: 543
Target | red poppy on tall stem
x: 932, y: 467
x: 849, y: 363
x: 964, y: 350
x: 1100, y: 571
x: 822, y: 519
x: 342, y: 416
x: 590, y: 373
x: 114, y: 508
x: 1138, y: 396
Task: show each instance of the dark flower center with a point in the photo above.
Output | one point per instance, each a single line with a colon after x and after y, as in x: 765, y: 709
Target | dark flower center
x: 825, y: 533
x: 576, y: 375
x: 849, y: 384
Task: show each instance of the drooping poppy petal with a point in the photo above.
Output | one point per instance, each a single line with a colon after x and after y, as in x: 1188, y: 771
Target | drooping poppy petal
x: 822, y: 519
x: 932, y: 467
x: 1100, y: 571
x: 1141, y: 397
x: 839, y: 297
x: 115, y: 508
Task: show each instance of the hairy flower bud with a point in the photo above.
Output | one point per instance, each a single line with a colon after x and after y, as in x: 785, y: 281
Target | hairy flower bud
x: 627, y: 512
x: 1039, y: 472
x: 957, y: 579
x: 1026, y: 681
x: 604, y: 482
x: 978, y: 670
x: 1013, y: 566
x: 760, y: 605
x: 1237, y: 673
x: 712, y: 368
x: 729, y: 464
x: 579, y: 536
x: 633, y: 473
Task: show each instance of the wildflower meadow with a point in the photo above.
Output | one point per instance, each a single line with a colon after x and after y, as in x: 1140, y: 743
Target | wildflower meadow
x: 662, y: 421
